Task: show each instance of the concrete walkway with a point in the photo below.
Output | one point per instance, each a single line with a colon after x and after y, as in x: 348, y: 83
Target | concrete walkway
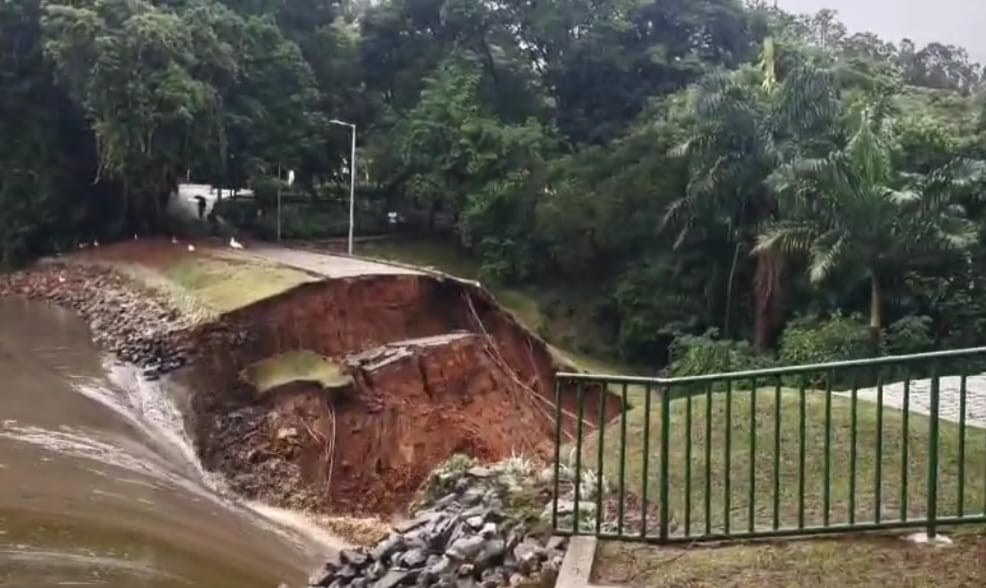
x: 949, y: 398
x: 330, y: 266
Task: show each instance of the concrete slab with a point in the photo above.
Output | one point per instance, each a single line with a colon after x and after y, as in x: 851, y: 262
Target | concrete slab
x: 949, y: 397
x: 330, y: 266
x: 576, y: 568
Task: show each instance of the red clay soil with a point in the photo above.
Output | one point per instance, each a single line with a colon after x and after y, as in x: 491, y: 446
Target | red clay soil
x: 389, y: 430
x: 488, y: 395
x: 341, y: 317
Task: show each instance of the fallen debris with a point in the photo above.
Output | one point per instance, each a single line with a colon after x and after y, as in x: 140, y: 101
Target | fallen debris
x: 474, y: 526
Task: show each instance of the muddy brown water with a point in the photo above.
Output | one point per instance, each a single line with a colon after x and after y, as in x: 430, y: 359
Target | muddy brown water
x: 99, y: 485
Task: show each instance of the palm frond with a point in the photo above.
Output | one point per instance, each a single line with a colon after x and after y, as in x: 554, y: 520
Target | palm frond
x: 787, y: 238
x: 903, y: 197
x: 675, y: 211
x: 682, y: 149
x: 827, y: 253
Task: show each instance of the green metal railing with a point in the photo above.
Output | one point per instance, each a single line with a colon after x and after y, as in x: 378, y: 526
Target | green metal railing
x: 884, y: 443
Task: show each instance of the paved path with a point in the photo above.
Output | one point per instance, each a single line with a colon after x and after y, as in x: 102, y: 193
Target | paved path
x: 949, y: 398
x: 330, y: 266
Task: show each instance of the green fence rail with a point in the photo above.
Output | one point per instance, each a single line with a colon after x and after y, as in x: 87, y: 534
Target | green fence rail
x: 885, y: 443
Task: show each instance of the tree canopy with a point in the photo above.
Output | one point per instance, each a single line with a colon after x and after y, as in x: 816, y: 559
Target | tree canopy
x: 679, y: 165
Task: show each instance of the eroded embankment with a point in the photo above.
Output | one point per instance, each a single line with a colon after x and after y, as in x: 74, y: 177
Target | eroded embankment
x: 437, y: 369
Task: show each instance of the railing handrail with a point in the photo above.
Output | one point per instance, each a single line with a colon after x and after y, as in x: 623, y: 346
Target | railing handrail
x: 778, y: 371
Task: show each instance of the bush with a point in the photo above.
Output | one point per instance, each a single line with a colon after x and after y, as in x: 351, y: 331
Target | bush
x: 653, y: 308
x: 811, y: 340
x: 700, y: 355
x: 911, y: 334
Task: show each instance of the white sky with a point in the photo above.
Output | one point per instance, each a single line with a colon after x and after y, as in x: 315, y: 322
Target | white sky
x: 957, y: 22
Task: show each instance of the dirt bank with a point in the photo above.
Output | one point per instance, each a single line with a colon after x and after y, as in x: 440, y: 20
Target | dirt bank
x: 367, y: 448
x: 437, y: 368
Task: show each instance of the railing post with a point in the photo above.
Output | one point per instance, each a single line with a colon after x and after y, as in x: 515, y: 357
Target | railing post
x: 646, y: 465
x: 665, y: 441
x: 580, y: 415
x: 558, y: 429
x: 932, y: 489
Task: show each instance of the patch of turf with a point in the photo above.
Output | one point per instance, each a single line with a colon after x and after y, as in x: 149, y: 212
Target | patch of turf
x: 859, y: 561
x: 224, y: 284
x: 749, y: 478
x: 295, y: 366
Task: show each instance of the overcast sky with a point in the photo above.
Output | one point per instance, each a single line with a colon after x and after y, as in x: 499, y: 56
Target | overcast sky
x: 958, y: 22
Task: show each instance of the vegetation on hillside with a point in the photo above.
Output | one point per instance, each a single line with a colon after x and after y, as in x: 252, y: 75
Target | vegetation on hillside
x: 678, y: 175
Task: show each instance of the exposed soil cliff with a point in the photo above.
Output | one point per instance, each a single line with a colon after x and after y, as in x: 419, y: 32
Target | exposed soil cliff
x: 435, y: 368
x: 438, y: 369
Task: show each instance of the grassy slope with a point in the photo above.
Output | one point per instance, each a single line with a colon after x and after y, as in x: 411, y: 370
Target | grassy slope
x: 837, y: 563
x: 853, y: 562
x: 294, y: 366
x: 739, y: 426
x: 861, y: 561
x: 209, y: 283
x: 225, y: 283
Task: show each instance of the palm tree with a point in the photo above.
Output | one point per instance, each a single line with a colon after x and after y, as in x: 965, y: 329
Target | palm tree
x: 748, y: 124
x: 852, y: 214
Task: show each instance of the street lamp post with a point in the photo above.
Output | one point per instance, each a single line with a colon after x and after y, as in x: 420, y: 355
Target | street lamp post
x: 352, y: 182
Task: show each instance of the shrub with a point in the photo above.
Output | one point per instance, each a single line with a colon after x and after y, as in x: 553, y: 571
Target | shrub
x: 652, y: 308
x: 810, y: 340
x: 911, y: 334
x: 693, y: 355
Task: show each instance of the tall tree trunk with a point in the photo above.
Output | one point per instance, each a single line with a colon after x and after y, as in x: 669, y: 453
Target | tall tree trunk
x: 876, y: 310
x: 730, y: 288
x: 768, y: 286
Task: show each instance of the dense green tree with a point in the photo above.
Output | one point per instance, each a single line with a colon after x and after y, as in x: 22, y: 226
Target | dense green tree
x: 458, y: 158
x: 856, y: 216
x: 46, y: 163
x: 748, y: 124
x: 635, y: 151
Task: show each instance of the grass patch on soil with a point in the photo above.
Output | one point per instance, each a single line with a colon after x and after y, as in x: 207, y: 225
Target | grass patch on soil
x: 859, y: 561
x: 295, y: 366
x: 208, y: 283
x: 224, y: 283
x: 755, y: 478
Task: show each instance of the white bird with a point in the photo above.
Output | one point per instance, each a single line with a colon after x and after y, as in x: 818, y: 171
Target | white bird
x: 235, y: 244
x: 174, y: 241
x: 95, y: 243
x: 136, y: 238
x: 191, y: 248
x: 61, y: 278
x: 83, y: 245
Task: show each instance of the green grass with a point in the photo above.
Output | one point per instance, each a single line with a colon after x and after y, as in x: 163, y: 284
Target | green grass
x: 738, y: 427
x: 859, y: 561
x: 224, y: 284
x: 295, y: 366
x: 423, y: 253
